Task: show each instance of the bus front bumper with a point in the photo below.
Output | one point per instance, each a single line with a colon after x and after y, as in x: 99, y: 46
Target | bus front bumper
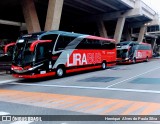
x: 34, y: 76
x: 124, y: 61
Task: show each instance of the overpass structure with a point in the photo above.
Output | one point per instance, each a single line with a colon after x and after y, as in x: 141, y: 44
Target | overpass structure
x: 38, y: 15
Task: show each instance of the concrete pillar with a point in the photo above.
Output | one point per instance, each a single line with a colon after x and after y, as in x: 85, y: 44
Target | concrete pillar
x: 127, y: 34
x: 30, y: 16
x: 102, y: 29
x: 119, y: 29
x: 153, y: 44
x: 23, y: 27
x: 53, y: 15
x: 141, y: 33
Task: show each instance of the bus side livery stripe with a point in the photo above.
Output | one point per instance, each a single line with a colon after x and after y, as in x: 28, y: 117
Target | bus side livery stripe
x: 73, y: 44
x: 83, y: 68
x: 79, y: 53
x: 89, y: 65
x: 32, y: 47
x: 35, y: 76
x: 63, y: 58
x: 142, y: 54
x: 78, y: 58
x: 100, y: 38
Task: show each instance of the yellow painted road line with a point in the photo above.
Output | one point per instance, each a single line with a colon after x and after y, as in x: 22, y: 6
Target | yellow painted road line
x: 134, y: 107
x: 90, y: 105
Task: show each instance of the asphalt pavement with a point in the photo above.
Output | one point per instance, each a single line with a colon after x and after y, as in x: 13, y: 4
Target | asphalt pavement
x: 132, y: 89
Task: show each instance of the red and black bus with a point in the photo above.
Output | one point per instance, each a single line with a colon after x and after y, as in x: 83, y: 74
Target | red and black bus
x: 6, y: 50
x: 57, y: 53
x: 132, y: 52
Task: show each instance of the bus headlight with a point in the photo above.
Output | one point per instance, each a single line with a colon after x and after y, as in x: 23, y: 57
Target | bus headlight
x: 126, y: 59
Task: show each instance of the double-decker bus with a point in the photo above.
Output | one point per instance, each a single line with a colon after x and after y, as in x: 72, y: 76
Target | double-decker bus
x: 132, y: 52
x: 57, y: 53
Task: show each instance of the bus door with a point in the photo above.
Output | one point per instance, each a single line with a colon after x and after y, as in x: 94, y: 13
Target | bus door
x: 131, y: 51
x: 43, y: 56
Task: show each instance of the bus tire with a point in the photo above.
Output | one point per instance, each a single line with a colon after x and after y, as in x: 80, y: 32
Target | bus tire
x: 147, y: 59
x: 134, y: 60
x: 60, y: 71
x: 104, y: 65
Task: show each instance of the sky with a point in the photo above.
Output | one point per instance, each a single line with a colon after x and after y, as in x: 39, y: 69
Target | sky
x: 155, y: 4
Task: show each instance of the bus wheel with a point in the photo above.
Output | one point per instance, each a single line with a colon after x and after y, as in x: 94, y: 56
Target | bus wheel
x: 104, y: 65
x: 60, y: 71
x: 147, y: 59
x: 134, y: 60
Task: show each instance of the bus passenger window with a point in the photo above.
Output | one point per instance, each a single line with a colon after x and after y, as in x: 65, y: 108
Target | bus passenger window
x: 42, y: 52
x: 63, y: 42
x: 108, y: 45
x: 84, y: 44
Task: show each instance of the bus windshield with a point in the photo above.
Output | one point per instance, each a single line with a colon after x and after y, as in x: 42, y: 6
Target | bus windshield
x: 22, y: 55
x: 123, y: 43
x: 122, y: 53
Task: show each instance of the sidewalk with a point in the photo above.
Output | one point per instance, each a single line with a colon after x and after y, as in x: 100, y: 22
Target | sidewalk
x: 2, y: 72
x: 5, y: 67
x: 156, y: 57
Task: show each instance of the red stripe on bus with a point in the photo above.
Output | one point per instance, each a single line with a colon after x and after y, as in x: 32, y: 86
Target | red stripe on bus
x: 100, y: 38
x: 6, y: 47
x: 83, y: 69
x: 36, y: 42
x: 35, y: 75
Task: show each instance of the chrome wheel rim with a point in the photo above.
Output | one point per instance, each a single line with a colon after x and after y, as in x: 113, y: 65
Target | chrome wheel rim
x: 134, y: 60
x: 147, y: 59
x: 104, y: 65
x: 60, y: 72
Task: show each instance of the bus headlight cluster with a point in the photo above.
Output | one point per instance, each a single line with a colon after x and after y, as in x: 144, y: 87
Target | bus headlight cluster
x: 126, y: 58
